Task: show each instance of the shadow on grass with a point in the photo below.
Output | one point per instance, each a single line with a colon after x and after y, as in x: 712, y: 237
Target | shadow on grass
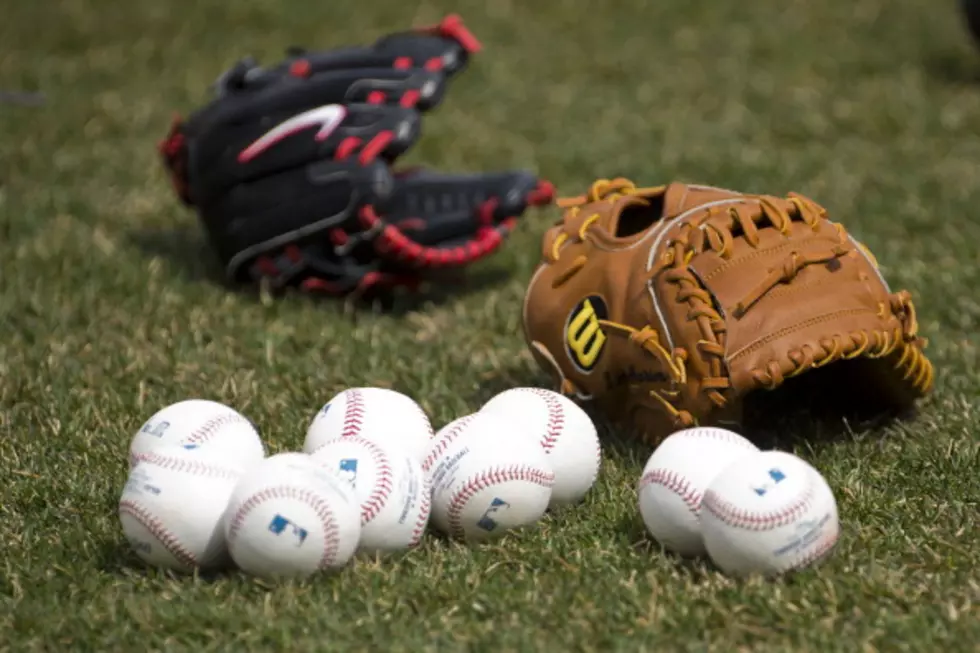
x: 117, y: 558
x: 188, y: 252
x: 184, y: 248
x: 953, y: 68
x: 832, y: 404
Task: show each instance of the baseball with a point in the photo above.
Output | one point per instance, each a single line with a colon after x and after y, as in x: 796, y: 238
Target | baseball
x: 171, y: 508
x: 487, y: 480
x: 565, y: 433
x: 288, y: 517
x: 382, y: 416
x: 199, y: 423
x: 449, y: 427
x: 674, y: 481
x: 390, y: 487
x: 770, y: 513
x: 441, y: 440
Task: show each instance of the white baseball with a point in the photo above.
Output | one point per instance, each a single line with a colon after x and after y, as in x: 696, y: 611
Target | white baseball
x: 390, y: 487
x: 199, y: 423
x: 486, y: 479
x: 289, y: 517
x: 674, y: 481
x: 767, y: 514
x: 172, y: 505
x: 448, y: 427
x: 380, y: 415
x: 564, y: 432
x: 441, y: 441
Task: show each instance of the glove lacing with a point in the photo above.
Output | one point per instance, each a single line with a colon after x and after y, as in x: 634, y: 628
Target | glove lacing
x: 703, y: 233
x: 646, y: 337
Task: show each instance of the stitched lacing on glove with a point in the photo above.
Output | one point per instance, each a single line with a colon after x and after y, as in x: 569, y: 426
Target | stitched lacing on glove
x: 697, y: 236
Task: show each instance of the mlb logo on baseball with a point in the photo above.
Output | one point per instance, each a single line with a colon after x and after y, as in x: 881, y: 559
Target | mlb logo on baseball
x: 348, y: 470
x: 776, y: 476
x: 486, y: 522
x: 279, y: 524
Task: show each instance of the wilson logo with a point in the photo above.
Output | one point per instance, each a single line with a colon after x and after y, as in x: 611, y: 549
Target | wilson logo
x: 584, y: 338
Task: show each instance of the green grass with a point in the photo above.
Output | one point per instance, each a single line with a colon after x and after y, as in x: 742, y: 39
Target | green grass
x: 109, y: 309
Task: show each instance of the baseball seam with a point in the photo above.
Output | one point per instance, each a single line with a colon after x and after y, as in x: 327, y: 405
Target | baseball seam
x: 331, y: 533
x: 354, y: 410
x: 210, y: 428
x: 716, y: 434
x: 423, y: 516
x: 675, y: 483
x: 383, y: 485
x: 187, y: 466
x: 736, y: 517
x: 443, y: 442
x: 488, y: 478
x: 556, y: 419
x: 159, y: 531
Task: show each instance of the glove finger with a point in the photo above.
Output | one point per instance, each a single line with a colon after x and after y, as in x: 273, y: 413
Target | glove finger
x: 266, y: 214
x: 252, y: 150
x: 412, y: 87
x: 440, y: 220
x: 318, y: 268
x: 444, y: 47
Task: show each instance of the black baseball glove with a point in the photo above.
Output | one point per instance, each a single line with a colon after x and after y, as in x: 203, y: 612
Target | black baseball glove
x: 290, y: 168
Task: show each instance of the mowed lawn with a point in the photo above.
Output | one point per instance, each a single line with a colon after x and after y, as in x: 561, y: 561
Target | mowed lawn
x: 111, y: 307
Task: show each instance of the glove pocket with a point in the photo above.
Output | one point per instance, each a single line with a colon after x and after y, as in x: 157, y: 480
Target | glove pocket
x: 828, y: 323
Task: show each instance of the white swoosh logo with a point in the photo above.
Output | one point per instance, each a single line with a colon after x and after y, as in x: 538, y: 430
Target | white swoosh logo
x: 327, y: 117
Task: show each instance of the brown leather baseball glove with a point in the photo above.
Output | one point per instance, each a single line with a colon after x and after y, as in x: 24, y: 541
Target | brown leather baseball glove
x: 668, y: 305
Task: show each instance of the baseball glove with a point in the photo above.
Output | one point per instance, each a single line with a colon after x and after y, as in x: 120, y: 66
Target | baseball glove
x: 667, y: 306
x: 290, y: 168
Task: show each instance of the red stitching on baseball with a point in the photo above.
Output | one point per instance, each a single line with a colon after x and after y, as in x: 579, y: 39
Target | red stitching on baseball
x: 423, y: 517
x: 556, y: 418
x: 675, y: 483
x: 353, y: 413
x: 159, y: 531
x: 444, y: 441
x: 748, y: 520
x: 208, y: 429
x: 189, y: 466
x: 488, y: 478
x: 331, y: 533
x: 598, y: 457
x: 716, y: 434
x: 382, y: 485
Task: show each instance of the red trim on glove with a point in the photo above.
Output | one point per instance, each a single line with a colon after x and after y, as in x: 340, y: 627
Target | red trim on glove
x: 346, y: 147
x: 374, y: 147
x: 543, y: 194
x: 173, y: 150
x: 300, y: 68
x: 393, y: 241
x: 451, y: 27
x: 410, y: 98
